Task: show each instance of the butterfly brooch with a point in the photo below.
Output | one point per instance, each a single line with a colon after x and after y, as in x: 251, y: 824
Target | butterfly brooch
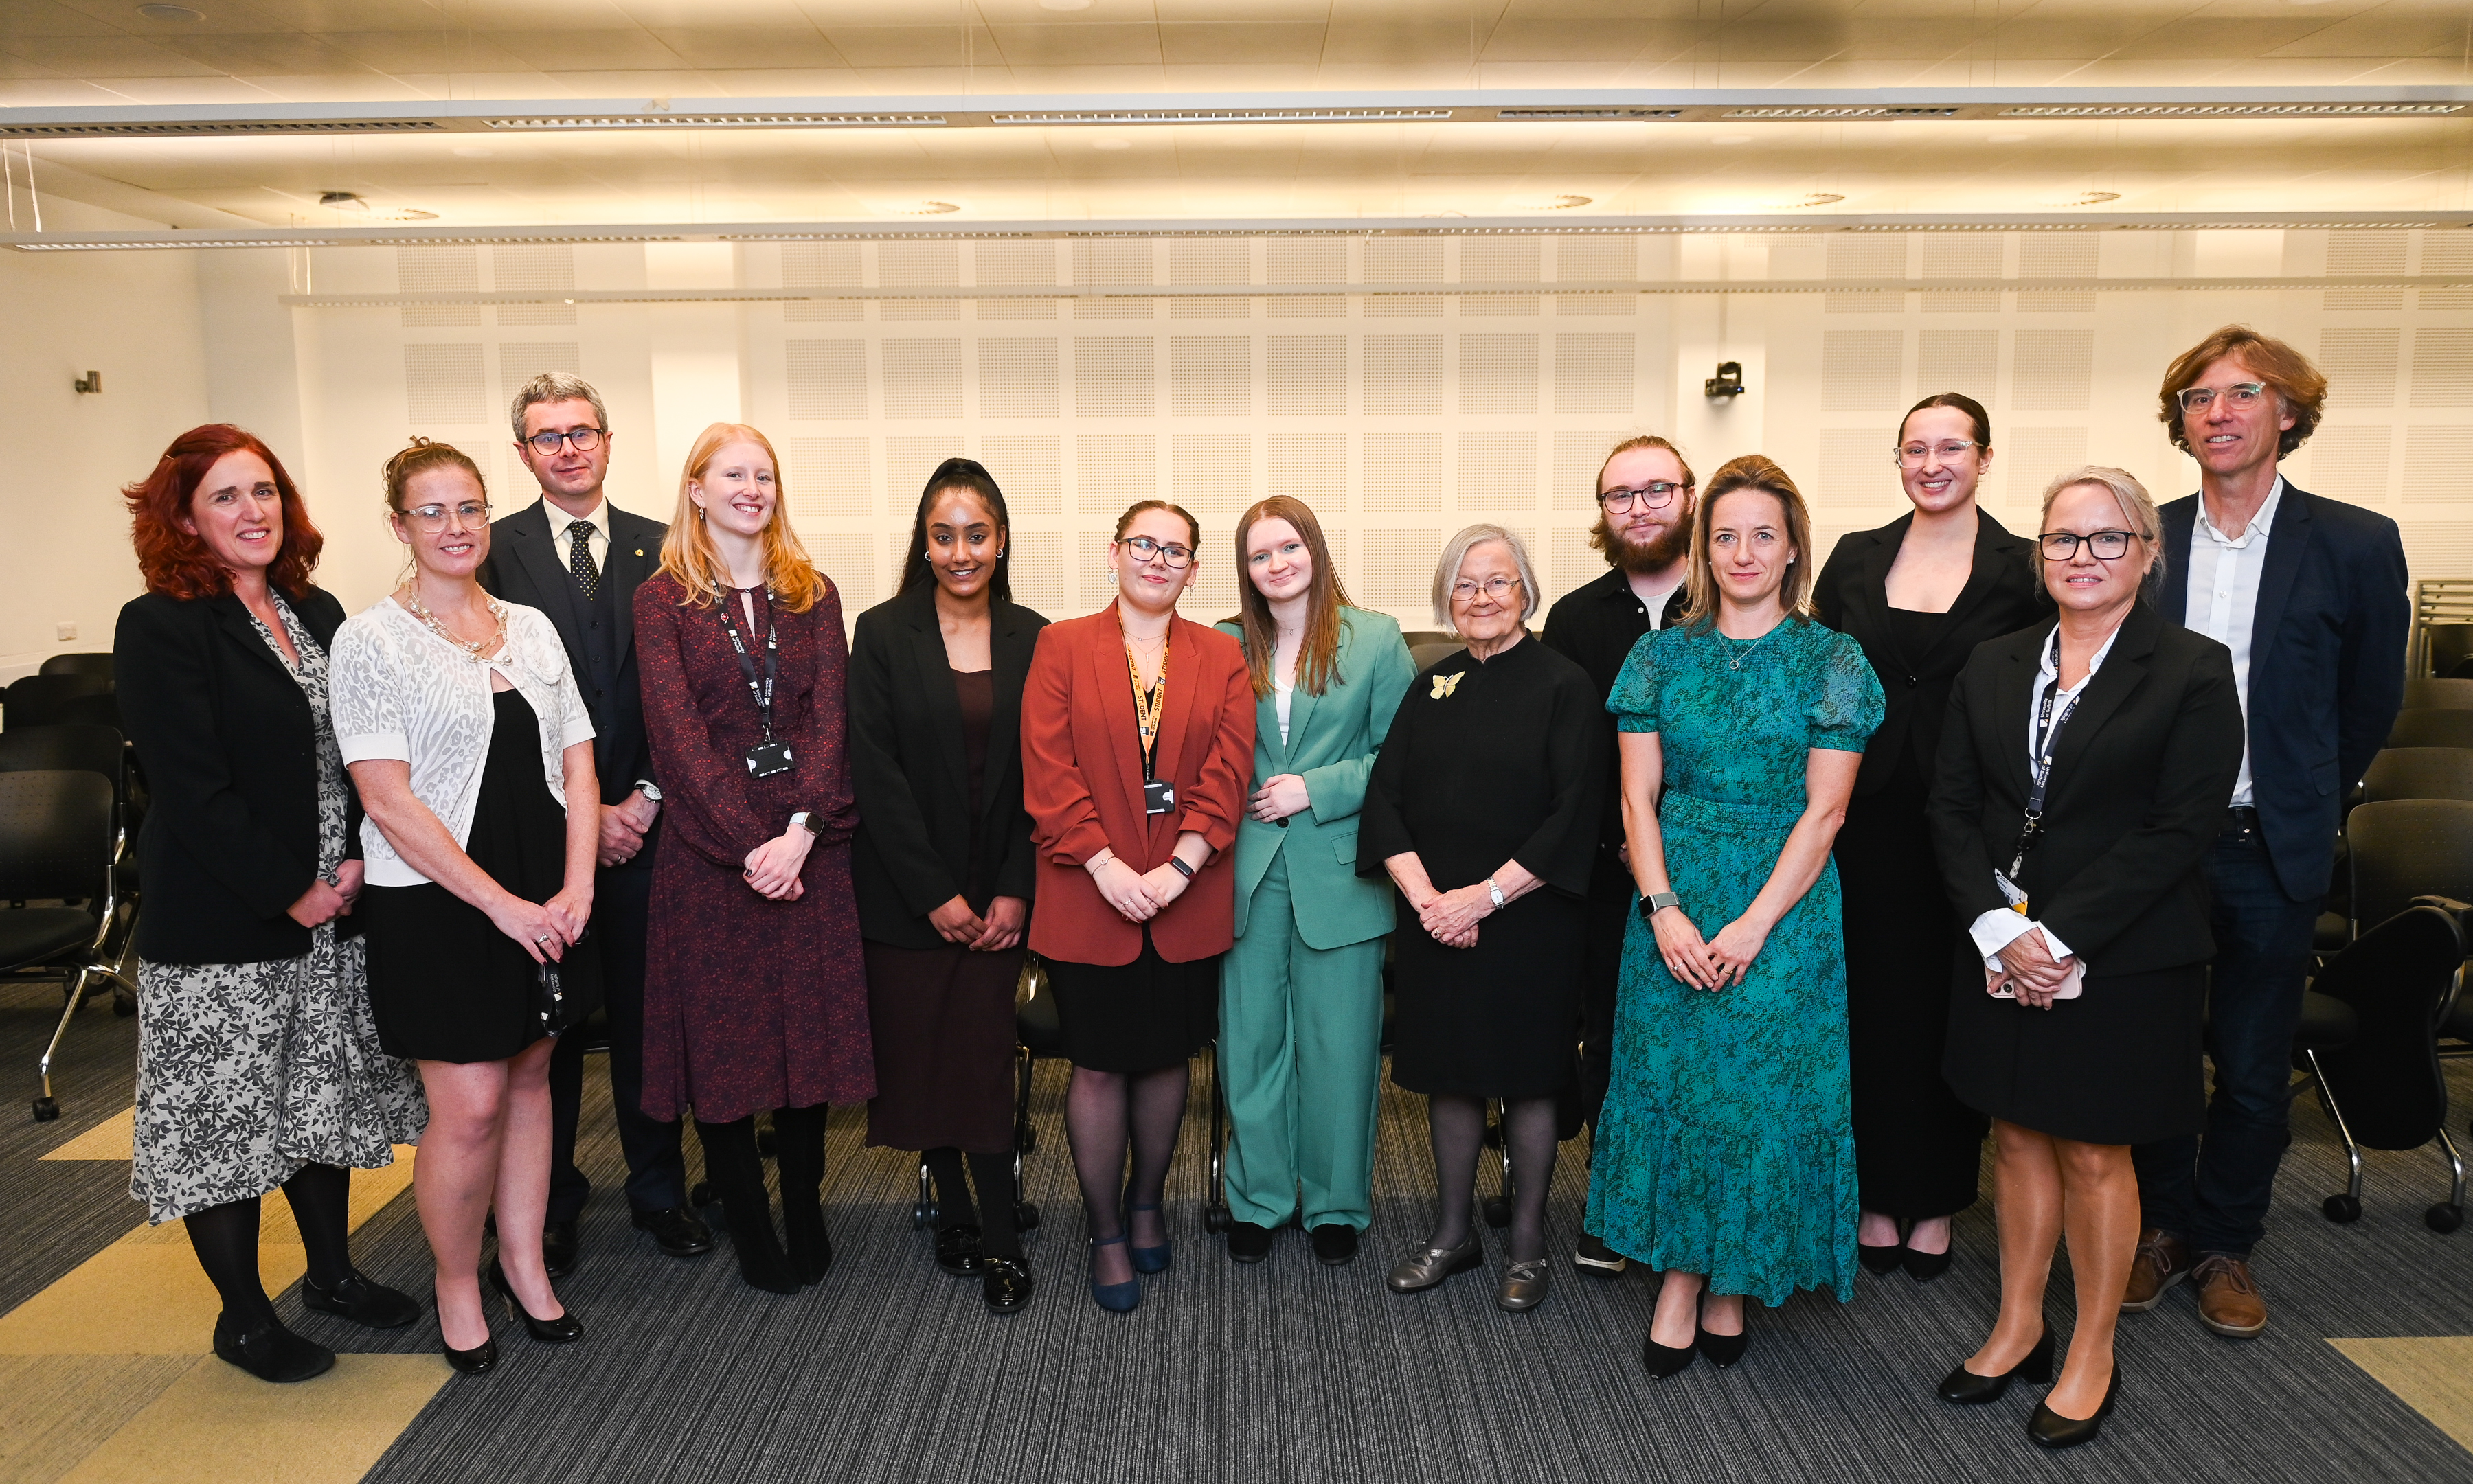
x: 1445, y: 685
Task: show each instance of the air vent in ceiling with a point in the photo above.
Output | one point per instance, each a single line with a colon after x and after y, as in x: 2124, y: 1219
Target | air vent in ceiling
x: 388, y: 125
x: 725, y: 121
x: 2235, y: 111
x: 1584, y: 115
x: 1227, y: 116
x: 1852, y: 111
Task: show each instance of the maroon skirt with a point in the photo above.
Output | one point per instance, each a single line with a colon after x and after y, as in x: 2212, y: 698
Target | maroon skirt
x: 944, y: 1030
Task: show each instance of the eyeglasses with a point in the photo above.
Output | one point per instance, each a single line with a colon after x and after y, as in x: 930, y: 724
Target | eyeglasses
x: 1144, y: 549
x: 1656, y: 495
x: 2108, y: 545
x: 2240, y: 396
x: 1948, y: 449
x: 585, y: 440
x: 430, y: 519
x: 1497, y: 589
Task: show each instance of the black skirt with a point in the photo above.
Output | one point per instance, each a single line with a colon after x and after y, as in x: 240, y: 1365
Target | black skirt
x: 1135, y: 1017
x: 445, y: 984
x: 2119, y: 1064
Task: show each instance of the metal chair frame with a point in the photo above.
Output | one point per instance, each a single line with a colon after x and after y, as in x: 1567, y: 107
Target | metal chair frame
x: 79, y: 969
x: 2345, y: 1207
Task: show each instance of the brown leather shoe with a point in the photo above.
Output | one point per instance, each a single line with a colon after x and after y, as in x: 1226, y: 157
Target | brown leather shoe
x: 2228, y: 1297
x: 2163, y: 1260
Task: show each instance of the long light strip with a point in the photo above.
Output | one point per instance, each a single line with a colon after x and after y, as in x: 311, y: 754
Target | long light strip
x: 2070, y: 110
x: 1883, y: 111
x: 667, y: 120
x: 221, y: 130
x: 1048, y: 117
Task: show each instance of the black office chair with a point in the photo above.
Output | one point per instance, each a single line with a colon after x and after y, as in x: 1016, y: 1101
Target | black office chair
x: 2423, y: 728
x: 83, y: 662
x: 2428, y: 694
x: 2419, y: 773
x: 61, y: 700
x: 57, y: 837
x: 96, y: 750
x: 2368, y: 1040
x: 2401, y: 848
x: 1036, y: 1034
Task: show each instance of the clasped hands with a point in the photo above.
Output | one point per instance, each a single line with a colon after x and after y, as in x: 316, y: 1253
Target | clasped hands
x: 1451, y: 918
x: 1000, y: 929
x: 547, y: 930
x: 1717, y: 963
x: 324, y: 903
x: 2033, y: 975
x: 623, y: 828
x: 1279, y: 797
x: 1137, y: 895
x: 773, y: 867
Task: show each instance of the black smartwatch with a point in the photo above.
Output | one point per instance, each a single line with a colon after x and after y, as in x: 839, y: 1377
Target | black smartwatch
x: 1654, y: 901
x: 1181, y: 869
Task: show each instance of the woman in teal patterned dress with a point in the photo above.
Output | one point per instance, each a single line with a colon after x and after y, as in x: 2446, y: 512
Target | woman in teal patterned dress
x: 1725, y: 1156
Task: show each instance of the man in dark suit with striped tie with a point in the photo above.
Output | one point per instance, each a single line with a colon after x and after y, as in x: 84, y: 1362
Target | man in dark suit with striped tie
x: 577, y: 557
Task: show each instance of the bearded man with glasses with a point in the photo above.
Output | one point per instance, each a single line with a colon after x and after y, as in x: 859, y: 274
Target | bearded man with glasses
x: 2309, y: 594
x: 577, y: 559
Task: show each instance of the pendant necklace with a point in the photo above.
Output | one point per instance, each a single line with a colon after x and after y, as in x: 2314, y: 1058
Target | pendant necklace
x: 1735, y: 659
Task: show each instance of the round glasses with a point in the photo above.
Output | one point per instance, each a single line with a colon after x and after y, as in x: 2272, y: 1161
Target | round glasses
x: 2108, y: 545
x: 585, y: 440
x: 430, y: 519
x: 1656, y: 495
x: 1949, y: 450
x: 1144, y: 549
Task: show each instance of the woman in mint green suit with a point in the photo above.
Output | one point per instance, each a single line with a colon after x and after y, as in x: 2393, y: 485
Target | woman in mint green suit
x: 1301, y: 993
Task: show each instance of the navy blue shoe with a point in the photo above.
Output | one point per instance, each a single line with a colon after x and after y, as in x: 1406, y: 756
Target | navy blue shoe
x: 1114, y: 1298
x: 1148, y: 1259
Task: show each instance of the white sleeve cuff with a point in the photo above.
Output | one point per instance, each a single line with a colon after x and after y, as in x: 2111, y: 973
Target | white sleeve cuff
x: 1996, y: 929
x: 393, y: 746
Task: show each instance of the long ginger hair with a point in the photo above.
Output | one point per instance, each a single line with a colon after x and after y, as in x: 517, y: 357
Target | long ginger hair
x: 1318, y: 649
x: 688, y: 557
x: 177, y: 563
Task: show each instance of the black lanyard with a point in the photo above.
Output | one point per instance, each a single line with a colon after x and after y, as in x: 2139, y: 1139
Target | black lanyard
x: 2047, y: 735
x: 761, y: 694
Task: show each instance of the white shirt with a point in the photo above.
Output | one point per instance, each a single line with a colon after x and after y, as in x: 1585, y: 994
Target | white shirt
x: 1996, y: 929
x: 598, y: 542
x: 399, y: 691
x: 1654, y: 605
x: 1280, y: 695
x: 2224, y: 599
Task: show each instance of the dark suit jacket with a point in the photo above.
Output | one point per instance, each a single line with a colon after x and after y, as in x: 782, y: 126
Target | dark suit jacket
x: 2326, y: 667
x: 2137, y: 796
x: 913, y: 850
x: 2002, y: 593
x: 528, y: 565
x: 230, y: 750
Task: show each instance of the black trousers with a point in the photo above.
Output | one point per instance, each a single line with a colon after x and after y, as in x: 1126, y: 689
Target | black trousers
x: 1613, y: 899
x: 622, y: 898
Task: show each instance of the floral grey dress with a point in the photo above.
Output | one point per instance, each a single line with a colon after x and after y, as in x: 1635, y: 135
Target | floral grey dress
x: 246, y: 1072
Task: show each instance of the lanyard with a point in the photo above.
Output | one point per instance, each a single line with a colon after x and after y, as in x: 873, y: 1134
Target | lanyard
x: 1148, y: 704
x: 2048, y: 734
x: 761, y: 694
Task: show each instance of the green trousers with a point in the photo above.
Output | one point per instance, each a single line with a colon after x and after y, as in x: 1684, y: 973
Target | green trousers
x: 1301, y: 1064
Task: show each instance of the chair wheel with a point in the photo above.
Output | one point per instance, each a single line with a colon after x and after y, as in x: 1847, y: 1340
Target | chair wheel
x: 46, y: 1108
x: 2443, y: 1218
x: 1215, y: 1218
x: 1497, y: 1211
x: 2341, y: 1209
x: 1025, y: 1216
x: 922, y: 1215
x: 702, y: 1194
x: 123, y: 1003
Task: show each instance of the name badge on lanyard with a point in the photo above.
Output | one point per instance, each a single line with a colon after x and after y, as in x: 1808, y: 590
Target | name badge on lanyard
x: 1159, y: 794
x: 2047, y: 735
x: 772, y: 755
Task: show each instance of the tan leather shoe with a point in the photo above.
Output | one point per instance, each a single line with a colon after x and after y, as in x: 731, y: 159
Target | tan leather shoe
x: 2228, y: 1297
x: 2163, y: 1260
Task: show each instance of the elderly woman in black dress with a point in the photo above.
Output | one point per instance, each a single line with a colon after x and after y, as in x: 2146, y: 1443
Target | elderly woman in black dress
x: 1483, y: 808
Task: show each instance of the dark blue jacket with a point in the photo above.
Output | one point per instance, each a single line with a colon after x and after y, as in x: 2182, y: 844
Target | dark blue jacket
x: 2326, y: 666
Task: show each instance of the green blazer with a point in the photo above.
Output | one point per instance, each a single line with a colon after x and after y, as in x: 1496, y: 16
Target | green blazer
x: 1332, y: 741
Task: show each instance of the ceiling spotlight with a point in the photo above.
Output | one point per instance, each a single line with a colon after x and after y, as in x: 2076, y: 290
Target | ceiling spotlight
x: 170, y: 12
x: 2009, y: 138
x: 1546, y: 203
x: 925, y: 207
x: 473, y: 152
x: 342, y: 201
x: 1816, y: 199
x: 1732, y: 139
x: 2093, y: 199
x: 1112, y: 144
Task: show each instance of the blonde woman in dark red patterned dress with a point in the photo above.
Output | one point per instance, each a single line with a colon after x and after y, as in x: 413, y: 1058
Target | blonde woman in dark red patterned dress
x: 755, y: 990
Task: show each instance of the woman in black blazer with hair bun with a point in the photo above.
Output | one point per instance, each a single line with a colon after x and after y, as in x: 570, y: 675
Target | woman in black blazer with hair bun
x: 943, y: 864
x: 2077, y: 1009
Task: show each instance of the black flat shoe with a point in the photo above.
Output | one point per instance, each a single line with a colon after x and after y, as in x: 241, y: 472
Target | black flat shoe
x: 1963, y: 1387
x: 1925, y: 1266
x: 271, y: 1353
x: 564, y: 1329
x: 479, y: 1360
x: 1665, y: 1360
x: 1724, y: 1350
x: 677, y: 1231
x: 1004, y: 1285
x: 1334, y: 1245
x: 559, y: 1249
x: 2050, y: 1429
x: 1248, y: 1241
x: 374, y: 1305
x: 957, y: 1249
x: 1880, y: 1261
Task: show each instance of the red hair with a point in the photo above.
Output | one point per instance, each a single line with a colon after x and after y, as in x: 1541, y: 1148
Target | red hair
x: 178, y: 564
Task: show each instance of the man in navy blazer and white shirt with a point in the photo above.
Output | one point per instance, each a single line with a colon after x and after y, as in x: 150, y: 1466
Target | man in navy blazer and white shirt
x: 2310, y: 595
x: 577, y: 559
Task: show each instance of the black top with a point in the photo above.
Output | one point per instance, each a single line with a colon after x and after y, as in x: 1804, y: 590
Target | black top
x: 2003, y: 592
x: 231, y: 751
x: 2140, y: 780
x: 527, y: 565
x: 1594, y: 626
x: 920, y: 843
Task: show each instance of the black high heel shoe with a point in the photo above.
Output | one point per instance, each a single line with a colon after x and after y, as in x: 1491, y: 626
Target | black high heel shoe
x: 1881, y: 1261
x: 1724, y: 1349
x: 2050, y: 1429
x: 564, y: 1329
x: 1963, y: 1387
x: 1665, y: 1360
x: 479, y: 1360
x: 1925, y: 1266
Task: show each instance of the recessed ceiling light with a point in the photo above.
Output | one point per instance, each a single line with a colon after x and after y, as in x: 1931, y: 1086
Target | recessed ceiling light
x: 1732, y: 139
x: 474, y: 150
x: 342, y: 201
x: 2004, y: 138
x: 925, y: 207
x: 1112, y: 144
x: 170, y: 12
x: 1544, y: 202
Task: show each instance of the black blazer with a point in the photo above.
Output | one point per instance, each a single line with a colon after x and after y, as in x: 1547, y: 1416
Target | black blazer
x: 2326, y: 667
x: 2002, y: 593
x: 230, y: 750
x: 913, y: 850
x: 525, y: 565
x: 2140, y: 782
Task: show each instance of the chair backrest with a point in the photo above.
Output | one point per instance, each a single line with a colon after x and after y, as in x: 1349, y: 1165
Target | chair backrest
x: 2438, y: 695
x: 2419, y: 773
x: 80, y: 663
x: 56, y: 835
x: 1425, y: 654
x: 2450, y: 646
x: 2405, y: 847
x: 73, y: 746
x: 2413, y: 728
x: 52, y: 700
x: 1412, y: 637
x: 2396, y: 978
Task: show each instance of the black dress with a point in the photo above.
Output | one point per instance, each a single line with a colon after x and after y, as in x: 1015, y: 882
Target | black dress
x: 1488, y: 762
x: 445, y: 984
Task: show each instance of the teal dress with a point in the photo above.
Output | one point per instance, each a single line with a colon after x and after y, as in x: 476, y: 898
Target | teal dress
x: 1726, y: 1146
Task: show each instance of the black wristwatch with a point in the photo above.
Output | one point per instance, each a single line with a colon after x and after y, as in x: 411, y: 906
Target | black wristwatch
x: 1655, y: 901
x: 1181, y: 869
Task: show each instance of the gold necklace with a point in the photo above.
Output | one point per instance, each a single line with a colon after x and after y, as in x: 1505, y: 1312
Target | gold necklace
x: 471, y: 648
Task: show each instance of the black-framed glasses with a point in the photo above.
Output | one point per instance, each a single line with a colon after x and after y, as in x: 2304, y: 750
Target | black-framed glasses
x: 1656, y: 495
x: 1144, y: 549
x: 1498, y: 588
x: 2240, y: 396
x: 430, y: 519
x: 1949, y: 450
x: 2108, y: 545
x: 585, y: 440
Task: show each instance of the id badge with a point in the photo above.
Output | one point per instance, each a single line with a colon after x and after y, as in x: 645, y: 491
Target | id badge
x: 2010, y: 893
x: 767, y: 758
x: 1159, y: 797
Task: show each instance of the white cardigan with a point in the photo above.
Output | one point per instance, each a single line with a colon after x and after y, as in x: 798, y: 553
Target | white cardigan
x: 401, y: 692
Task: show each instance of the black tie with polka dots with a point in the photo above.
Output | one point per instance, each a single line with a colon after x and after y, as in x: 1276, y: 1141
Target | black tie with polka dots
x: 579, y: 559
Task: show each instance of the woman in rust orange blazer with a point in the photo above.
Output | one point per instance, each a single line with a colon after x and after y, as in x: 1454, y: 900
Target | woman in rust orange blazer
x: 1137, y: 742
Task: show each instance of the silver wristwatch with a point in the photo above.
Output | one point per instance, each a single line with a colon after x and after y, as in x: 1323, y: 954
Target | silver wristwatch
x: 801, y: 820
x: 1655, y: 903
x: 1494, y: 891
x: 651, y: 790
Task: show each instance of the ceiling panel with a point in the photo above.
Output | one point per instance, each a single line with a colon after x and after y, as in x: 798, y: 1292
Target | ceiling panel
x: 775, y: 47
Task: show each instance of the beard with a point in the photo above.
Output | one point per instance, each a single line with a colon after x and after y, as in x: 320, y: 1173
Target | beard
x: 1658, y: 552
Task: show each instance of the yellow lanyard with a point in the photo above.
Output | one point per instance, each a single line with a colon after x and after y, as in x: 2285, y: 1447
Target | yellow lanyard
x: 1147, y: 704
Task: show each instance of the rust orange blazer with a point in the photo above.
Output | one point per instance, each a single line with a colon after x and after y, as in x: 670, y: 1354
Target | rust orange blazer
x: 1082, y: 781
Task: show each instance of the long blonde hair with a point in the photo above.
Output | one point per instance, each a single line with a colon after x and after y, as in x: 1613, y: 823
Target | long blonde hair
x: 688, y: 557
x: 1751, y: 471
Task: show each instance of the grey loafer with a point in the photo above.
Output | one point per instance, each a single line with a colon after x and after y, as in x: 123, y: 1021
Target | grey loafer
x: 1429, y: 1267
x: 1524, y: 1285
